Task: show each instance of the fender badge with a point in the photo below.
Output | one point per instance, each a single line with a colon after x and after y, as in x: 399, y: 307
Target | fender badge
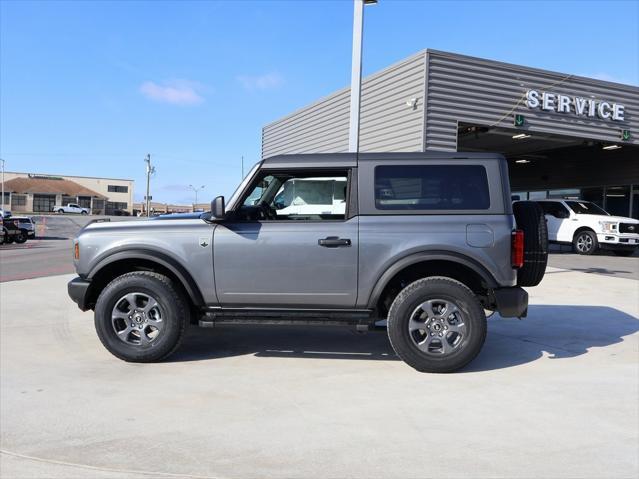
x: 204, y: 242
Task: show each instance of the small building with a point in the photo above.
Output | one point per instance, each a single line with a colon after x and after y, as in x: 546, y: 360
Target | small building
x: 37, y: 193
x: 564, y: 135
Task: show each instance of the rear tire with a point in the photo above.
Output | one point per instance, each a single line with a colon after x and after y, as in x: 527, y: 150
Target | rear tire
x: 20, y: 238
x: 585, y: 242
x: 530, y: 218
x: 133, y: 329
x: 453, y: 320
x: 61, y: 211
x: 84, y: 213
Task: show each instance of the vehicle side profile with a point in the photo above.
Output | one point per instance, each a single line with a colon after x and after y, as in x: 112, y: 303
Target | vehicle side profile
x: 26, y: 225
x: 589, y: 227
x: 71, y: 208
x: 427, y: 241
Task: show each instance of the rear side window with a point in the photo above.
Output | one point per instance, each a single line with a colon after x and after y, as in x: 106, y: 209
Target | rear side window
x: 431, y: 187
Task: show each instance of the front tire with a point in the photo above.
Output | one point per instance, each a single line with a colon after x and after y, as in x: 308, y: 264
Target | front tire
x: 141, y: 317
x: 436, y: 325
x: 20, y: 238
x: 585, y: 242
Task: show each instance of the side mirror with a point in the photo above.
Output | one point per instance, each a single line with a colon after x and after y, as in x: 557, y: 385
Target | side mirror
x: 217, y: 208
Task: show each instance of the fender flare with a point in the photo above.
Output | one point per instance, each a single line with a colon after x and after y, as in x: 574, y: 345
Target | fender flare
x: 153, y: 256
x: 435, y: 255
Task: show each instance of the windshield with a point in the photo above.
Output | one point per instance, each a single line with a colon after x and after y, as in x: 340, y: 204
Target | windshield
x: 231, y: 202
x: 586, y: 208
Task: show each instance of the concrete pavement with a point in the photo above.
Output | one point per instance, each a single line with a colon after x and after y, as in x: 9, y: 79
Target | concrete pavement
x: 554, y: 395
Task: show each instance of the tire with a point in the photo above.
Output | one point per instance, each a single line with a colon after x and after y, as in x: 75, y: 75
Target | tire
x: 129, y: 345
x: 530, y: 219
x: 20, y: 238
x: 585, y: 242
x: 84, y: 213
x: 624, y: 252
x: 61, y: 211
x: 419, y: 348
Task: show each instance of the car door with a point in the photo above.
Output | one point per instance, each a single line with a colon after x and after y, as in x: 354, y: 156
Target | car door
x: 266, y: 259
x: 556, y: 214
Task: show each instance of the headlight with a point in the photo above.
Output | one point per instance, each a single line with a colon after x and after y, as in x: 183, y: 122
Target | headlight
x: 608, y: 226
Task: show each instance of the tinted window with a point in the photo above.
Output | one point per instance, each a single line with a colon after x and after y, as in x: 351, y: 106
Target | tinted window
x: 432, y: 187
x: 118, y: 189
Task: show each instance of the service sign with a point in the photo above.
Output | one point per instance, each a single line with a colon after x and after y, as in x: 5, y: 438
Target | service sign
x: 588, y: 107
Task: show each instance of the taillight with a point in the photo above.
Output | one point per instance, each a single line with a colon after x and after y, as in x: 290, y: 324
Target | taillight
x: 76, y: 250
x: 517, y: 249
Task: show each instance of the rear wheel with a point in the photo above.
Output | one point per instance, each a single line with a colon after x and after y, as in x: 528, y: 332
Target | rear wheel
x: 585, y: 242
x: 436, y: 325
x: 60, y: 211
x: 84, y: 212
x: 141, y: 317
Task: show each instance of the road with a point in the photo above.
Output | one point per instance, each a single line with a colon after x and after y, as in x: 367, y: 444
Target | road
x: 554, y: 395
x: 50, y: 253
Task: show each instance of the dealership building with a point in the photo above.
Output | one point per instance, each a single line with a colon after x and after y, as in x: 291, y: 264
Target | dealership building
x: 38, y: 193
x: 565, y: 136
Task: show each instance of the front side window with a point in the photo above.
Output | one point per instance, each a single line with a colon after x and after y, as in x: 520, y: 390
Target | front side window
x: 554, y: 208
x: 431, y: 187
x: 297, y: 195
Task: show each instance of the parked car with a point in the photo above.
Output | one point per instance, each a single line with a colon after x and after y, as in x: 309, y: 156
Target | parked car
x: 589, y: 227
x: 428, y: 241
x: 27, y: 225
x: 119, y: 212
x: 71, y: 208
x: 5, y: 213
x: 11, y: 232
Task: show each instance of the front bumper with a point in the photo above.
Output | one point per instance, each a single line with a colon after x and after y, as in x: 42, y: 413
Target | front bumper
x: 78, y: 291
x: 511, y: 302
x: 614, y: 240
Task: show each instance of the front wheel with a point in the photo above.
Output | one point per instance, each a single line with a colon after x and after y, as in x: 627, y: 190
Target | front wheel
x: 436, y: 325
x: 141, y: 317
x: 20, y: 238
x: 585, y: 242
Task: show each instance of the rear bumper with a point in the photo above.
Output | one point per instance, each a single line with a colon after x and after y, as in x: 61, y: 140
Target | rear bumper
x: 511, y: 302
x: 78, y: 289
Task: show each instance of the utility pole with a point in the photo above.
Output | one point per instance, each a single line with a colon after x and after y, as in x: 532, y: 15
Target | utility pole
x: 2, y: 186
x: 149, y: 171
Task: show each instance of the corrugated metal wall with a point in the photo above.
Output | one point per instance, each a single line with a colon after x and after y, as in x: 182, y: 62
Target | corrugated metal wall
x: 458, y: 89
x: 485, y: 92
x: 387, y: 122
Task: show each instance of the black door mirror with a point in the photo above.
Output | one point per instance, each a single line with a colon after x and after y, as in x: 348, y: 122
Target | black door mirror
x: 217, y: 208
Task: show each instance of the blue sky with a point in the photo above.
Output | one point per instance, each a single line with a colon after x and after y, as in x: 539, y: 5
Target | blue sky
x: 89, y: 88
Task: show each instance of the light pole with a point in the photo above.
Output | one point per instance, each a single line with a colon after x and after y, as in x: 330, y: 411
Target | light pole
x: 196, y: 190
x: 356, y: 73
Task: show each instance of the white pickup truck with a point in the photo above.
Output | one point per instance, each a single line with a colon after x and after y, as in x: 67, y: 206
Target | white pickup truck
x: 71, y: 208
x: 589, y: 228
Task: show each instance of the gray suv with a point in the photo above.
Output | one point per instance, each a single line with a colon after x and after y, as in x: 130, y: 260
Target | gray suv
x: 427, y: 241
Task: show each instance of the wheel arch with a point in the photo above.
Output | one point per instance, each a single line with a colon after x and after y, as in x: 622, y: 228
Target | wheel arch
x: 116, y: 264
x: 581, y: 229
x: 432, y: 263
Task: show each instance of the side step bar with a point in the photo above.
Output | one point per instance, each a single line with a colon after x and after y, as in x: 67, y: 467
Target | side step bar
x: 214, y: 316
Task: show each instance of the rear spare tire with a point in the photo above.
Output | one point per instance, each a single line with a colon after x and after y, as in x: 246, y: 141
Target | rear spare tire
x: 530, y: 219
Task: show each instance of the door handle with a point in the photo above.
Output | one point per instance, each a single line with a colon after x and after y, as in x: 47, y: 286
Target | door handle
x: 334, y: 242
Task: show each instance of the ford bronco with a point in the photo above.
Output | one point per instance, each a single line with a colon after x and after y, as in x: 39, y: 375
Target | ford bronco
x: 426, y: 241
